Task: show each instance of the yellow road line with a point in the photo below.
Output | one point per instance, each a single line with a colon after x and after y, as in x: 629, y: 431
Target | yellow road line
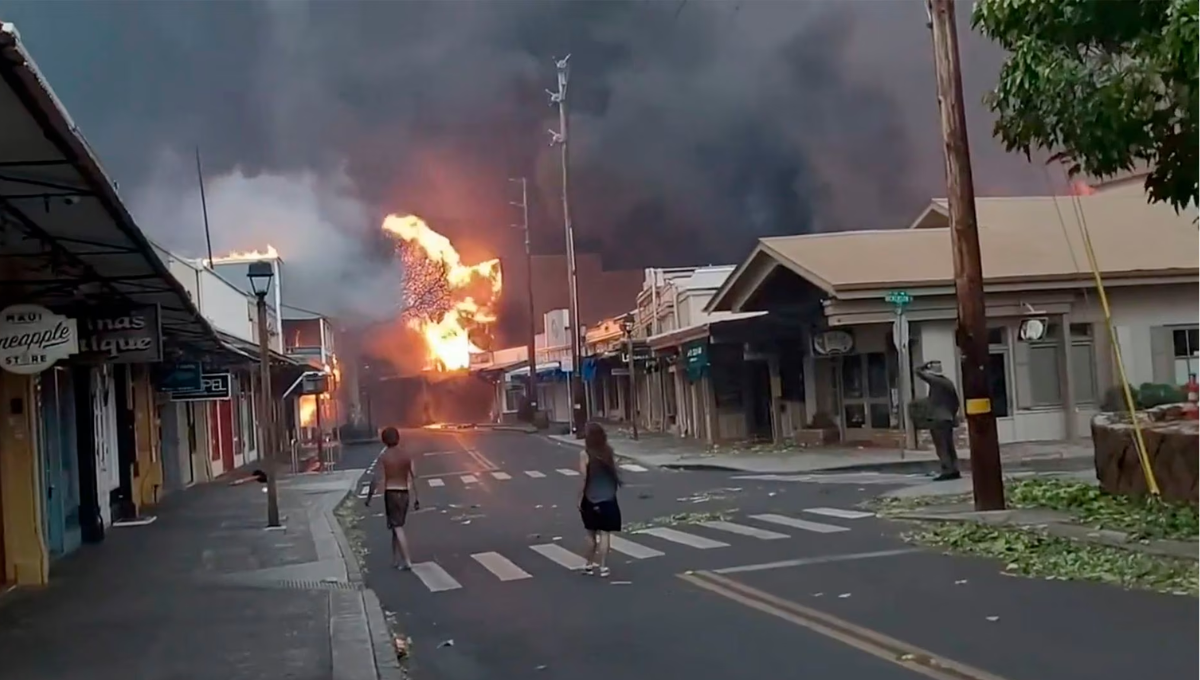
x: 876, y: 644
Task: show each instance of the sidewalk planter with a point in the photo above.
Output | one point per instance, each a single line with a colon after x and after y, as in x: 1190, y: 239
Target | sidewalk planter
x: 822, y: 430
x: 812, y: 436
x: 1171, y: 441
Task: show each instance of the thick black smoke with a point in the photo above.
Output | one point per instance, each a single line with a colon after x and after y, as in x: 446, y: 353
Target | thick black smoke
x: 696, y: 126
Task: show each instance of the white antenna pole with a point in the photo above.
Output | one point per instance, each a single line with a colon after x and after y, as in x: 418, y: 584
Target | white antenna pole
x: 560, y: 138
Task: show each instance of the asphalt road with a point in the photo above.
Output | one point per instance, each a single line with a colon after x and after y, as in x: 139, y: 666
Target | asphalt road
x: 752, y: 578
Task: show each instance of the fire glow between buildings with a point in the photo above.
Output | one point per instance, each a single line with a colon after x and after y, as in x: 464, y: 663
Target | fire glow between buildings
x: 445, y: 300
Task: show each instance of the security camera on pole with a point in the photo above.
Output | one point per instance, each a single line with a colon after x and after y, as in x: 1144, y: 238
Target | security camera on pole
x: 559, y: 138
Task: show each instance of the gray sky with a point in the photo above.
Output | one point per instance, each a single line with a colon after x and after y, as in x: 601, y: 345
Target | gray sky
x: 697, y: 126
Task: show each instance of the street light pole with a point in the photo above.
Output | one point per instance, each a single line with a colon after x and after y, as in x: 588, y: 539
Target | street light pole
x: 532, y: 395
x: 260, y: 274
x: 968, y: 268
x: 560, y: 138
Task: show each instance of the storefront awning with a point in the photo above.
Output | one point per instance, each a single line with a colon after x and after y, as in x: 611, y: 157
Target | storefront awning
x: 542, y: 369
x: 698, y: 331
x: 76, y: 243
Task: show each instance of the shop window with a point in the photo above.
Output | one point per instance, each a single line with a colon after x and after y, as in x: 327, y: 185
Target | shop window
x: 855, y: 416
x: 852, y: 377
x: 513, y: 394
x: 1045, y: 384
x: 1186, y: 342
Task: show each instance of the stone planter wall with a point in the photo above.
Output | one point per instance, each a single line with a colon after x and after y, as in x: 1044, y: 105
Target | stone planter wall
x: 1172, y: 444
x: 815, y: 437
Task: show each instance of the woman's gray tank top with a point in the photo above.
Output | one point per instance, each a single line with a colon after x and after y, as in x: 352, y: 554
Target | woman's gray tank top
x: 601, y: 483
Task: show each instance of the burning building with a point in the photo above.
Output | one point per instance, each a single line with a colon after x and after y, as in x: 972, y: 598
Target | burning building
x: 448, y: 313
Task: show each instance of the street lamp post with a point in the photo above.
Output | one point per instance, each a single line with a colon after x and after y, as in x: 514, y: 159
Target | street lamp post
x: 260, y: 275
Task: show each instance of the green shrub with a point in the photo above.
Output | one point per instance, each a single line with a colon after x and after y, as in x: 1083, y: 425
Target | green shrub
x: 1151, y: 395
x: 1148, y: 395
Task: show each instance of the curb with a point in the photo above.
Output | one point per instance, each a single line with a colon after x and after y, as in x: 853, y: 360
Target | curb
x: 387, y: 665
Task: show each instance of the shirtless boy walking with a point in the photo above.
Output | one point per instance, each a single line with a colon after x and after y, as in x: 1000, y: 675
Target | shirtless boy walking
x: 395, y: 466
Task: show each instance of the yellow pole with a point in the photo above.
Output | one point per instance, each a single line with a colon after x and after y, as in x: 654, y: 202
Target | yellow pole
x: 1139, y: 440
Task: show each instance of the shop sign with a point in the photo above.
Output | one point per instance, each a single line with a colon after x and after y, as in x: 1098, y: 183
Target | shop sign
x: 181, y: 377
x: 32, y: 339
x: 314, y: 383
x: 132, y: 337
x: 695, y: 359
x: 213, y: 387
x: 832, y: 343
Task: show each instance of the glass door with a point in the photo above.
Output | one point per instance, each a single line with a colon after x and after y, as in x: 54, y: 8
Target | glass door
x: 866, y: 392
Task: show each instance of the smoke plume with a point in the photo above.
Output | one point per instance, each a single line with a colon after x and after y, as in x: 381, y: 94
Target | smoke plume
x: 696, y: 127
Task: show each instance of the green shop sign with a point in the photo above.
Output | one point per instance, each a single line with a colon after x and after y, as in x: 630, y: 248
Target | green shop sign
x: 695, y: 359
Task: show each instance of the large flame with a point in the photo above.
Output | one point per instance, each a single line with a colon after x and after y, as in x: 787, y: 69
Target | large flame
x: 248, y: 255
x: 308, y: 410
x: 445, y: 298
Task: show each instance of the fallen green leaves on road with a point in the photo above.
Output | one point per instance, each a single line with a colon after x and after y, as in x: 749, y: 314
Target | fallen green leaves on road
x: 1031, y: 553
x: 348, y: 516
x: 1141, y: 518
x: 680, y: 518
x: 885, y: 505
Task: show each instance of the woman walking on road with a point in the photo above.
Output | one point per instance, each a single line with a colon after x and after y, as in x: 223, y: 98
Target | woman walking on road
x: 598, y: 497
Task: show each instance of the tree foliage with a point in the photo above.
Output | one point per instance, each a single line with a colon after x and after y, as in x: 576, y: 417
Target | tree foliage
x: 1105, y: 85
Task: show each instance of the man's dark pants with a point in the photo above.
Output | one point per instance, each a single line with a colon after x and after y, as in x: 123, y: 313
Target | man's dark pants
x: 942, y: 434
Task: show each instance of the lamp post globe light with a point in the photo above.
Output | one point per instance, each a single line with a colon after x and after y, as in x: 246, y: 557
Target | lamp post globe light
x: 260, y: 274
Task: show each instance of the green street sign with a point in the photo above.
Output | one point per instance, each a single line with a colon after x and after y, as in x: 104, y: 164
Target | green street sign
x: 898, y: 297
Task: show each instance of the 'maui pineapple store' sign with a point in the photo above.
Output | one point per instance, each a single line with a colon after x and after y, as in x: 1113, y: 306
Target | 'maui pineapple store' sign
x: 32, y: 338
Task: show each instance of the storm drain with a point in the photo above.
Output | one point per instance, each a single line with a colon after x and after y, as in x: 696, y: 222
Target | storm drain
x: 241, y: 581
x: 314, y: 585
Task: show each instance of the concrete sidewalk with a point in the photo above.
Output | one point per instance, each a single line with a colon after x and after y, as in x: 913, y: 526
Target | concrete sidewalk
x: 661, y: 450
x: 205, y: 591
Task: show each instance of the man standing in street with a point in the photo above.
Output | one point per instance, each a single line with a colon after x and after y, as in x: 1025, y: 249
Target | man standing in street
x: 396, y: 468
x: 943, y: 402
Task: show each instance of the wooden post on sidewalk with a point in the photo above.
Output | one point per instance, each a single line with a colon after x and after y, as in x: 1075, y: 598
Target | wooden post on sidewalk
x: 968, y: 268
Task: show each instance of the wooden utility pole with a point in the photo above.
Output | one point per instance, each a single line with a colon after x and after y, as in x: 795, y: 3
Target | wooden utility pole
x: 968, y: 267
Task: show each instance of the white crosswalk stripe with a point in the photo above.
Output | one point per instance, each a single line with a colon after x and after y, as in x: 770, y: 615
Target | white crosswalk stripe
x: 633, y: 467
x: 839, y: 513
x: 635, y: 550
x: 743, y: 530
x: 469, y: 479
x: 437, y: 579
x: 501, y: 475
x: 434, y: 577
x: 560, y: 555
x: 535, y: 474
x: 682, y: 538
x: 815, y: 527
x: 436, y: 482
x: 567, y: 472
x: 501, y: 566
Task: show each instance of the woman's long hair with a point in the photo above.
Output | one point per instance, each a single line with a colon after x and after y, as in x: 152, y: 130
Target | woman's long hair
x: 595, y: 442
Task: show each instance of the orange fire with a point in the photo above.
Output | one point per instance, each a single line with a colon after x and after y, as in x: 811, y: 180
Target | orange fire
x: 1081, y: 188
x: 249, y: 255
x: 446, y: 299
x: 308, y: 410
